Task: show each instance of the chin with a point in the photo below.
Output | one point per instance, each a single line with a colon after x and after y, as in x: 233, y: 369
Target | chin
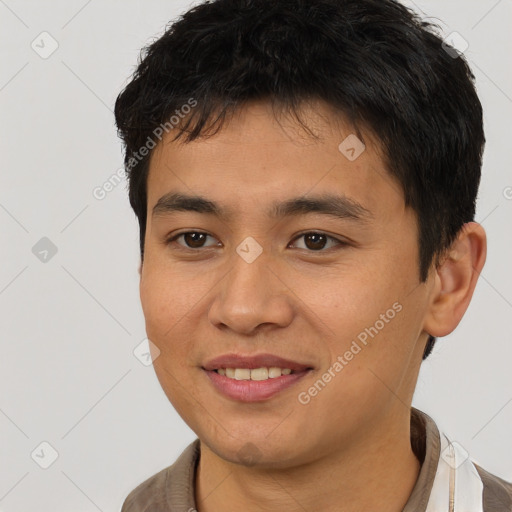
x: 255, y: 451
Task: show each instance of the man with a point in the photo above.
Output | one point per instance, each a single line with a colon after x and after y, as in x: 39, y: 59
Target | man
x: 304, y: 173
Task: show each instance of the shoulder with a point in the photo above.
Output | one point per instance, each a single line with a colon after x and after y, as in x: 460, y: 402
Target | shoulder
x: 172, y: 488
x: 497, y: 494
x: 150, y: 493
x: 473, y: 484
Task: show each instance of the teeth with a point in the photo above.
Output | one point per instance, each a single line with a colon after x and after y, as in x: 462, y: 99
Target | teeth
x: 242, y: 374
x: 274, y: 372
x: 259, y: 374
x: 255, y: 374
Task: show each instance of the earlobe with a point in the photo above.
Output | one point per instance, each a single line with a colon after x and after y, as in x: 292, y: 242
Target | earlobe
x: 455, y: 280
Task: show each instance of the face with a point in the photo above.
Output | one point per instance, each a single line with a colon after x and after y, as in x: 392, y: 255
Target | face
x: 297, y: 251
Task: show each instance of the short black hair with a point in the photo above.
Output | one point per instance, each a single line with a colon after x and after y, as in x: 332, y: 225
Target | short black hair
x: 374, y: 61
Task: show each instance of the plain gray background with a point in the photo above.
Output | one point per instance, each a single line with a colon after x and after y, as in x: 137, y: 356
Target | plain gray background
x: 70, y: 323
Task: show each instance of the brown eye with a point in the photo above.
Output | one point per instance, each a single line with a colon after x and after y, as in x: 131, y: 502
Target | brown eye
x: 192, y: 240
x: 314, y: 241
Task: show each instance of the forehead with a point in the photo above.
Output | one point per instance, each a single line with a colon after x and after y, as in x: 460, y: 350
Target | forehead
x: 256, y: 157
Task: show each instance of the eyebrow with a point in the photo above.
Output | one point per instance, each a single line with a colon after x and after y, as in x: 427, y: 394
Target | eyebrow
x: 338, y: 206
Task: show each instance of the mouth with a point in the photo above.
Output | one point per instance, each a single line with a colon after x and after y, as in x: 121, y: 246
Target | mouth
x: 253, y: 378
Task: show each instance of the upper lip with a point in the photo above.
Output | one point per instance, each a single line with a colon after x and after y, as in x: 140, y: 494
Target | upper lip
x: 252, y: 362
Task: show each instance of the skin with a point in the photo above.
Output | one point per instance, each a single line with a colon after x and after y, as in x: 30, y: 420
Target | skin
x: 349, y: 448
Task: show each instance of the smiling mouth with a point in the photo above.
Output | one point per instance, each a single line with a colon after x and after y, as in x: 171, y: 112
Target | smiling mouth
x: 253, y: 377
x: 254, y: 384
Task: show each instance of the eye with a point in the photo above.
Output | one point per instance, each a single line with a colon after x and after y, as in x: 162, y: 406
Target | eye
x: 192, y: 239
x: 313, y: 240
x: 316, y: 241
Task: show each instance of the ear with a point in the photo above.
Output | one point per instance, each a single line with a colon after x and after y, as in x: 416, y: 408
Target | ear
x: 455, y: 279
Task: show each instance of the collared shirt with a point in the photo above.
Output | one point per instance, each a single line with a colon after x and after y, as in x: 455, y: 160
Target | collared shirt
x: 448, y: 480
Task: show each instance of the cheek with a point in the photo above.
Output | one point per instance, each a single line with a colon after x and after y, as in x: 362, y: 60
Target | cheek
x: 166, y: 294
x: 154, y: 297
x: 346, y: 300
x: 163, y: 303
x: 371, y: 316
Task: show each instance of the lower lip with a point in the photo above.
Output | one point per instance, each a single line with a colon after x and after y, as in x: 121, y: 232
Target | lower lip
x: 253, y: 390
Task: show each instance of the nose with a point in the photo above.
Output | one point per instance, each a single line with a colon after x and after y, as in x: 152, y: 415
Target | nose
x: 250, y: 296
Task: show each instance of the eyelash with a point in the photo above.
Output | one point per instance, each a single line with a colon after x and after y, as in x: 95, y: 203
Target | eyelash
x: 339, y: 243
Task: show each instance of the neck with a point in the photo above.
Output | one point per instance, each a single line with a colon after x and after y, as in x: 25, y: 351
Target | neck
x: 375, y: 472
